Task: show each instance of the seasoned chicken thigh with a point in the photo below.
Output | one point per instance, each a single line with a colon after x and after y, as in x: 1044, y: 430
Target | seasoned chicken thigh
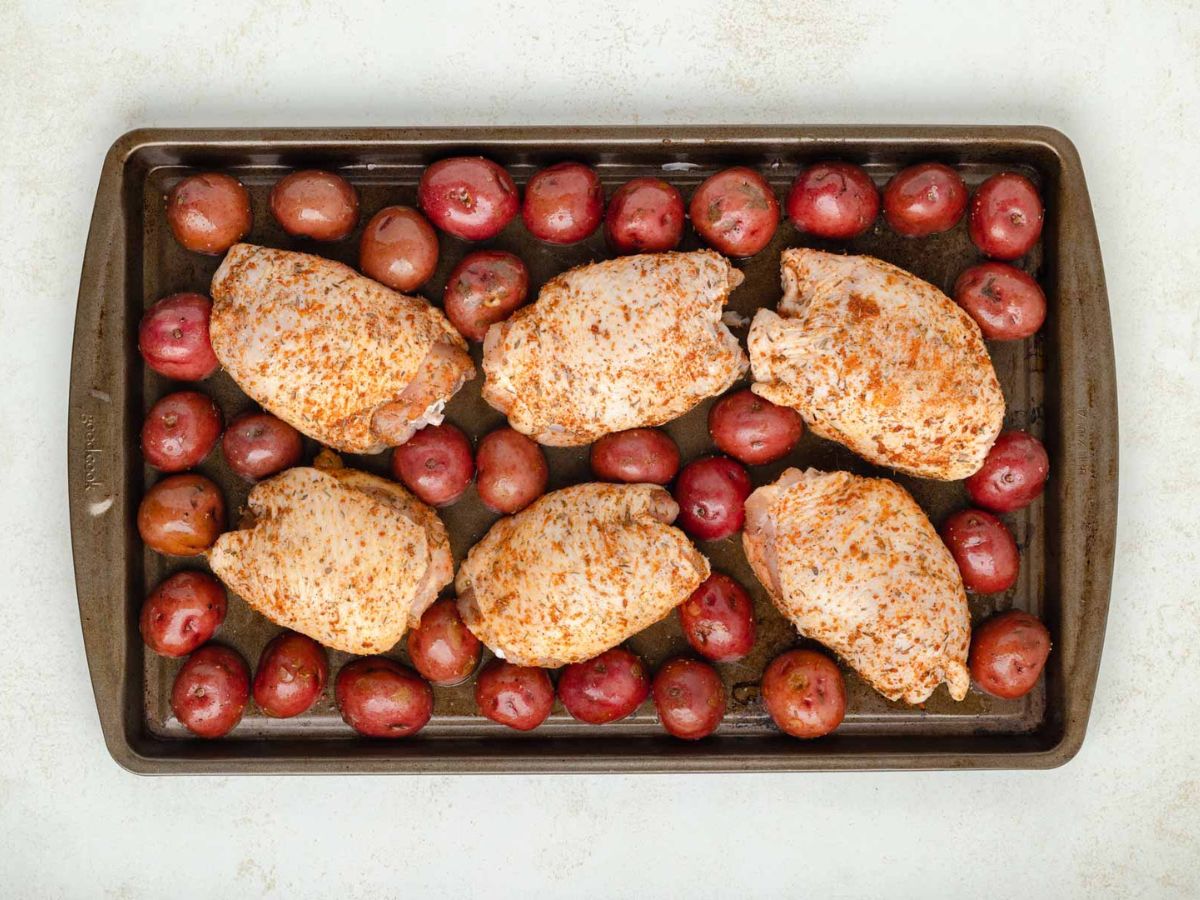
x: 342, y: 358
x: 577, y: 572
x: 855, y: 564
x: 346, y: 557
x: 615, y: 345
x: 877, y: 359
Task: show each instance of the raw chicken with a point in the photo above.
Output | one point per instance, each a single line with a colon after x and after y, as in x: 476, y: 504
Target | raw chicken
x: 855, y: 564
x: 341, y: 358
x: 877, y: 359
x: 348, y: 558
x: 577, y: 572
x: 614, y: 345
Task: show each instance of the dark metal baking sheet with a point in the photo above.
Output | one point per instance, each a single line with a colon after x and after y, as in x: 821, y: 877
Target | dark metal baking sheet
x: 1059, y: 384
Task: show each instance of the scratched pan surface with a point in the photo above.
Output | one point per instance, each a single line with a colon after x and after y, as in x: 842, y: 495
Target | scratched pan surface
x: 1059, y: 385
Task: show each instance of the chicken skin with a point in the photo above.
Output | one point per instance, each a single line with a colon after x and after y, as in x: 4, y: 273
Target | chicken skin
x: 614, y: 345
x: 349, y: 559
x: 877, y: 359
x: 577, y: 572
x: 855, y: 564
x: 341, y: 358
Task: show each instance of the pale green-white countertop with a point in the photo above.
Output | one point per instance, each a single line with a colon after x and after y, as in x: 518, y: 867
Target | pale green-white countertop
x: 1122, y: 80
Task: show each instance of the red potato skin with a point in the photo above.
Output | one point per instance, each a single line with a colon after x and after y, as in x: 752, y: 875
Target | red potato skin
x: 690, y: 698
x: 180, y: 430
x: 924, y: 199
x: 173, y: 337
x: 468, y: 196
x: 984, y: 549
x: 441, y: 648
x: 182, y: 515
x: 1008, y: 653
x: 1006, y: 216
x: 606, y: 688
x: 645, y: 215
x: 485, y: 288
x: 378, y: 697
x: 315, y: 204
x: 834, y: 200
x: 520, y: 697
x: 398, y: 248
x: 563, y: 203
x: 1007, y: 304
x: 711, y: 493
x: 257, y: 445
x: 1013, y: 474
x: 718, y: 619
x: 512, y: 471
x: 804, y: 693
x: 292, y: 673
x: 209, y: 212
x: 753, y: 430
x: 182, y: 613
x: 637, y: 456
x: 210, y: 691
x: 436, y: 464
x: 735, y: 212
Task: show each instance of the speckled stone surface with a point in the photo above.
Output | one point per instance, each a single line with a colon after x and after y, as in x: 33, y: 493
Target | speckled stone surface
x: 1122, y: 819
